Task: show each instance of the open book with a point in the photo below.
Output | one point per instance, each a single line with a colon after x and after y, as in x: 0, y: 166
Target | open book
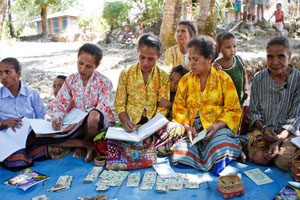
x: 296, y: 141
x: 141, y: 133
x: 43, y: 128
x: 199, y: 137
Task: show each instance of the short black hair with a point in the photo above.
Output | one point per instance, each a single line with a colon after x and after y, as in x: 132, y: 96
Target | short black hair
x: 203, y: 45
x: 189, y: 25
x: 63, y: 77
x: 12, y: 61
x: 279, y: 40
x: 180, y: 70
x: 150, y: 40
x: 93, y: 50
x: 224, y: 35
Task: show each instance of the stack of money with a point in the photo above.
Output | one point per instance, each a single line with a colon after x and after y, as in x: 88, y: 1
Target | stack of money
x: 162, y: 185
x: 63, y: 183
x: 118, y: 178
x: 41, y: 197
x: 105, y: 180
x: 148, y: 180
x: 98, y: 197
x: 92, y: 175
x: 191, y: 181
x: 134, y: 179
x: 176, y: 183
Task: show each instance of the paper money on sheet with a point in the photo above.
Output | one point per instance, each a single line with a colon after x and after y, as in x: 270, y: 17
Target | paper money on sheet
x: 107, y: 174
x: 191, y: 181
x: 118, y: 178
x: 133, y: 179
x: 92, y: 175
x: 63, y: 183
x: 148, y: 180
x: 103, y: 184
x: 162, y: 185
x: 41, y: 197
x: 176, y: 183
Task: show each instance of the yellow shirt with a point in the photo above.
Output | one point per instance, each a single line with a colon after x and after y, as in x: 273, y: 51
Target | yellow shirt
x: 133, y: 96
x: 218, y: 102
x: 174, y: 57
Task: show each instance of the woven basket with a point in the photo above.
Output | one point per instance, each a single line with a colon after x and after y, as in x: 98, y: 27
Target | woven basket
x: 230, y: 186
x: 296, y: 170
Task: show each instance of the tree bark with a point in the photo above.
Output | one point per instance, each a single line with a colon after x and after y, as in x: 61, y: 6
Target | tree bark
x: 11, y: 26
x: 168, y: 24
x: 3, y: 5
x: 44, y: 10
x: 206, y: 19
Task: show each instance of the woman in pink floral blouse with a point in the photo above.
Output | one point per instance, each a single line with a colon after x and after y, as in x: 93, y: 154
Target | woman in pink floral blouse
x: 90, y: 91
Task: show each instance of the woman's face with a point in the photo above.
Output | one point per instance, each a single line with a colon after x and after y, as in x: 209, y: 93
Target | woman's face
x: 198, y: 63
x: 278, y: 58
x: 182, y: 35
x: 148, y: 57
x: 8, y: 76
x: 174, y: 79
x: 86, y: 65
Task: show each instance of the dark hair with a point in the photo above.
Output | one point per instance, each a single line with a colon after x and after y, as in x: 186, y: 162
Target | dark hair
x: 213, y: 41
x: 93, y: 50
x: 203, y: 45
x: 149, y: 40
x: 189, y: 25
x: 279, y: 40
x: 224, y: 35
x: 61, y: 77
x: 180, y: 70
x: 12, y: 61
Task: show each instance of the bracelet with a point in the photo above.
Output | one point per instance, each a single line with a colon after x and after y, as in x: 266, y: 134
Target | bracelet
x: 263, y: 128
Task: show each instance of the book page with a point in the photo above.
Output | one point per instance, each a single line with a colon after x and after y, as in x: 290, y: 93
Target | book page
x: 11, y: 141
x: 164, y: 169
x: 199, y: 137
x: 153, y: 125
x: 296, y: 141
x: 74, y: 116
x: 116, y: 133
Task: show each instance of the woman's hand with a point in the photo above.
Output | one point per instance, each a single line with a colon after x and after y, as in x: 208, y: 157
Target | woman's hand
x: 164, y: 103
x: 217, y: 66
x: 269, y: 134
x: 273, y: 151
x: 69, y: 128
x: 12, y: 123
x: 211, y: 130
x: 56, y: 124
x: 190, y: 131
x: 129, y: 126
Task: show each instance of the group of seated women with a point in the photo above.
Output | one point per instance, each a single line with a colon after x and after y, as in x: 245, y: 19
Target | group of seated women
x: 201, y: 97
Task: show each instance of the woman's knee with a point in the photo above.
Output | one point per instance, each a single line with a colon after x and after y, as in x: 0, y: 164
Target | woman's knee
x: 259, y: 158
x: 93, y: 118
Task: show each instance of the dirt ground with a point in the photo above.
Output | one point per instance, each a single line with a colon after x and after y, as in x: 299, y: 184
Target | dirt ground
x: 41, y: 62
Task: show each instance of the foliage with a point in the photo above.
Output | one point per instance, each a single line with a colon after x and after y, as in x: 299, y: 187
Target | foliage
x: 116, y: 13
x: 222, y: 6
x: 149, y: 12
x: 85, y: 24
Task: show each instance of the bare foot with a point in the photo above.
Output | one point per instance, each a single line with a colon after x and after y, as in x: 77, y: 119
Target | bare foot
x: 79, y: 152
x: 90, y: 154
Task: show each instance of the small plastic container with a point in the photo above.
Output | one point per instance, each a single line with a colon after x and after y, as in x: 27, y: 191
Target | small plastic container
x: 230, y: 186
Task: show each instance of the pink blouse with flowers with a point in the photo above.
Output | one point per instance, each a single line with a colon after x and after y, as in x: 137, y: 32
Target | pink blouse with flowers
x: 95, y: 95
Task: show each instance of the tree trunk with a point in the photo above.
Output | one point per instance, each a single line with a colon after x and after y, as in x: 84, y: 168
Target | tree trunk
x: 2, y: 14
x: 168, y: 24
x: 11, y: 26
x: 44, y: 10
x: 206, y: 19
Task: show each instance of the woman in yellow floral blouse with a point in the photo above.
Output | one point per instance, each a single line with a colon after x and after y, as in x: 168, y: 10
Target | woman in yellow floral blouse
x: 140, y: 88
x: 177, y: 54
x: 206, y: 99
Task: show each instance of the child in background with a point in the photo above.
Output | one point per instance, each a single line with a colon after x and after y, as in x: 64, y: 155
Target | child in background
x: 176, y: 74
x: 232, y: 64
x: 238, y: 9
x: 279, y: 18
x: 128, y: 35
x: 57, y: 83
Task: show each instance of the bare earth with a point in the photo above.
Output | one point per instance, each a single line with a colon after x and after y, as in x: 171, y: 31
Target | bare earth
x: 43, y: 61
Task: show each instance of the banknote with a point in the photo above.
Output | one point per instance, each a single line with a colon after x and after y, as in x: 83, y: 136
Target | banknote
x: 176, y: 183
x: 107, y: 174
x: 133, y: 179
x: 63, y: 183
x: 148, y: 180
x: 259, y: 177
x: 191, y: 181
x: 118, y: 178
x: 103, y: 184
x: 162, y: 185
x: 92, y: 175
x: 41, y: 197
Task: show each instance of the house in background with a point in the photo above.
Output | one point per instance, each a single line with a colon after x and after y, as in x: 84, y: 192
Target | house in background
x: 58, y: 22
